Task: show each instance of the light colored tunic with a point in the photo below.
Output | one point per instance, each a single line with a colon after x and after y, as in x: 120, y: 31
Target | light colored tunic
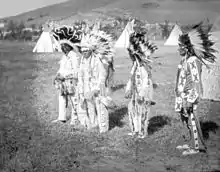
x: 141, y: 86
x: 92, y: 77
x: 69, y: 67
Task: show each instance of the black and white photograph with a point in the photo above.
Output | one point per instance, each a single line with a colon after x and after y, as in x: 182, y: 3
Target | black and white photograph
x: 110, y: 86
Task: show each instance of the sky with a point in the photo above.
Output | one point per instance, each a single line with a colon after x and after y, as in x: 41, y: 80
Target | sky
x: 14, y: 7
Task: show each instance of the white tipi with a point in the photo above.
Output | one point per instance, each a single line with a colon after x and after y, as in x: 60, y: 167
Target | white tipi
x: 174, y: 36
x: 123, y: 40
x: 211, y: 77
x: 46, y: 43
x: 216, y: 25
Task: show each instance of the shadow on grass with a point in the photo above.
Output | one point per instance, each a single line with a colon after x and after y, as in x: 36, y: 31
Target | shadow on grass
x: 215, y: 171
x: 26, y: 142
x: 212, y: 123
x: 157, y: 122
x: 155, y: 85
x: 157, y: 57
x: 207, y: 127
x: 117, y: 87
x: 116, y: 116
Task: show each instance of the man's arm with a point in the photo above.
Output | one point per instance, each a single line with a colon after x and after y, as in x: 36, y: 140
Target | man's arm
x: 62, y: 65
x: 177, y: 78
x: 129, y: 86
x: 80, y: 80
x: 146, y: 91
x: 102, y: 76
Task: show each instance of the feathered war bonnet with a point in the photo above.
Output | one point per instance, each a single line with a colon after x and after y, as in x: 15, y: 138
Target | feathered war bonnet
x: 99, y: 43
x: 70, y: 35
x: 101, y: 46
x: 140, y: 47
x: 198, y: 43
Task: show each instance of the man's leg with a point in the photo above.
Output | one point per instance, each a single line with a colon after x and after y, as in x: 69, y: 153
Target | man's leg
x: 62, y: 109
x: 199, y: 131
x: 74, y: 115
x: 103, y: 116
x: 92, y: 114
x: 186, y: 130
x: 196, y: 135
x: 131, y: 113
x: 82, y: 114
x: 138, y: 119
x: 144, y: 121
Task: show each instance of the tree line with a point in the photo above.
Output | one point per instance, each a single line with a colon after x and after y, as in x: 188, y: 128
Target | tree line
x: 16, y: 31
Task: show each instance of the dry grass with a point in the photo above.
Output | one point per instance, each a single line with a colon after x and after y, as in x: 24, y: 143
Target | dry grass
x: 30, y: 142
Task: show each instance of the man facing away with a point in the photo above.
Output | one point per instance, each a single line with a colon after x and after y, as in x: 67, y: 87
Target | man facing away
x: 140, y: 87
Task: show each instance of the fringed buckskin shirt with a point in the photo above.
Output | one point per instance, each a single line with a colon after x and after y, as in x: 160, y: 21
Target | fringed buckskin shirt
x: 141, y: 82
x: 92, y: 75
x: 69, y: 65
x: 188, y: 84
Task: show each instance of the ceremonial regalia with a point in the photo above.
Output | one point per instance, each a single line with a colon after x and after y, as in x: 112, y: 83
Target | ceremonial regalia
x: 95, y: 75
x: 140, y: 87
x: 67, y: 76
x: 195, y: 48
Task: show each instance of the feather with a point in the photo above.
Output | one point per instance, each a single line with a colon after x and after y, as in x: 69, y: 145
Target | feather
x: 67, y: 33
x: 139, y: 45
x: 200, y: 43
x: 99, y: 42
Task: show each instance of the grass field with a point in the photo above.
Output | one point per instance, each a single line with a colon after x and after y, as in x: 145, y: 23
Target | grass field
x: 30, y: 142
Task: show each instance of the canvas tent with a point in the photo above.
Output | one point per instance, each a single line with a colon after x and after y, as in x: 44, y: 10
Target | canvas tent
x: 123, y: 40
x: 174, y: 36
x: 211, y: 82
x: 211, y: 78
x: 216, y: 25
x: 46, y: 43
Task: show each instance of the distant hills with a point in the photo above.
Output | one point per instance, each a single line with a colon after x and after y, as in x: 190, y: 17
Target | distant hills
x: 182, y: 11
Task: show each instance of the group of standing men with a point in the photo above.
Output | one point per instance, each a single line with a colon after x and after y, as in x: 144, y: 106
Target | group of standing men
x: 84, y: 76
x: 86, y: 71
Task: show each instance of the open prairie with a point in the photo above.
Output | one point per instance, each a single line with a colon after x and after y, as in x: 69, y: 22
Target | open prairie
x: 30, y: 142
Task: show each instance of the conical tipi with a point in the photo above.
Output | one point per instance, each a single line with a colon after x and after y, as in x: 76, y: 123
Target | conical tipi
x: 216, y: 25
x: 46, y: 43
x: 211, y: 77
x: 174, y: 36
x: 123, y: 40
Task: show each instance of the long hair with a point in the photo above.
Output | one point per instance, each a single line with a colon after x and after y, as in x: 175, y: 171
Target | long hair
x: 66, y: 48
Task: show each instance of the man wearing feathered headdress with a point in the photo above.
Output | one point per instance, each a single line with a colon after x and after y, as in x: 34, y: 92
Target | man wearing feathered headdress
x: 140, y: 87
x: 67, y: 76
x: 95, y: 75
x: 195, y: 47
